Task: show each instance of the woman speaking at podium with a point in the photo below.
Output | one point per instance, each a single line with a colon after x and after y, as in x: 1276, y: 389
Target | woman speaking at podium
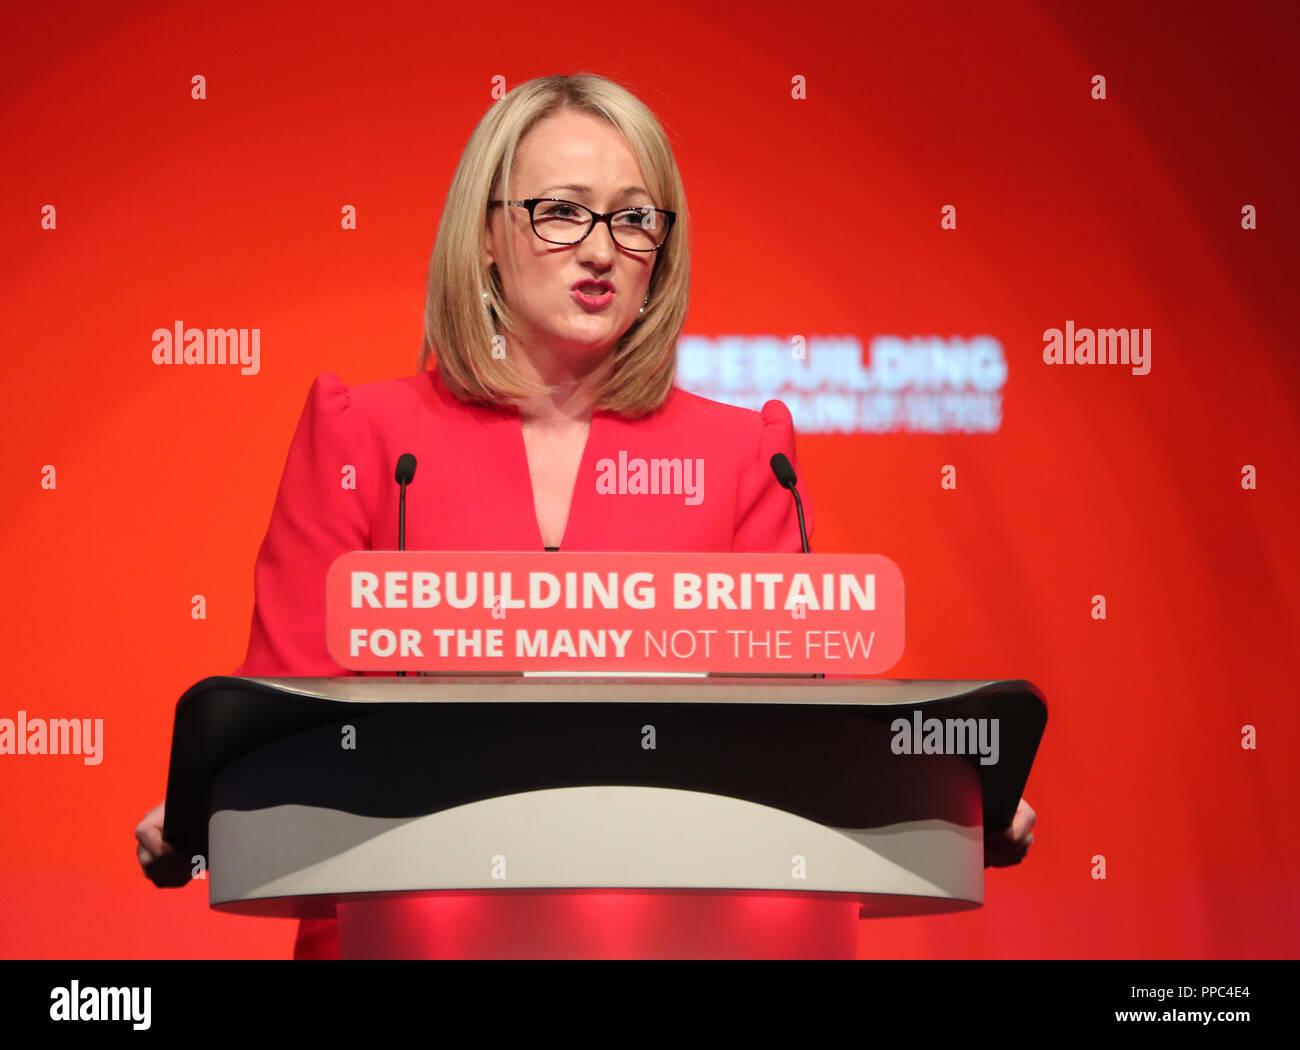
x: 557, y: 290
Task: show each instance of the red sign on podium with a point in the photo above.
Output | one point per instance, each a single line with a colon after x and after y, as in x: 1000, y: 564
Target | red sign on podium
x: 616, y: 612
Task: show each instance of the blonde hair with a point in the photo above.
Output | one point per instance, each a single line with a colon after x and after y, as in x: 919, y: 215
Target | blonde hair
x: 459, y: 326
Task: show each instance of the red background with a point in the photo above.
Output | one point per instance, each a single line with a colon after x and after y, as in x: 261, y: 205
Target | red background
x: 1123, y: 212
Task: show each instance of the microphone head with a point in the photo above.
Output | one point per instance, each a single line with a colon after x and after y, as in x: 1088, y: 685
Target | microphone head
x: 405, y: 468
x: 783, y: 470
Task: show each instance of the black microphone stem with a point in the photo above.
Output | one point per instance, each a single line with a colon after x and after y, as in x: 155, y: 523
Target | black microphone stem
x: 401, y: 519
x: 404, y: 474
x: 798, y: 507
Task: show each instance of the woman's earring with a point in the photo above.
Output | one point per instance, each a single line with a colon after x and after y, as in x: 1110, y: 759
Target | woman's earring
x: 644, y: 301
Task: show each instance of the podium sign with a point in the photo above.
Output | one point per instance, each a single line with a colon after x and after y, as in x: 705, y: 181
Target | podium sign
x: 500, y: 612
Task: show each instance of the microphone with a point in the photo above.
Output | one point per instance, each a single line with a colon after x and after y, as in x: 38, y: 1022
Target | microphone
x: 404, y: 476
x: 785, y: 475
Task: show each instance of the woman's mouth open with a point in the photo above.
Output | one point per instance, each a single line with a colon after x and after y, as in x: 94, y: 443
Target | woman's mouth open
x: 593, y: 294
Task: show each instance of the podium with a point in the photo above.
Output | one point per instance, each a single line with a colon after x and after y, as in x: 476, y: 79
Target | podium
x: 718, y: 817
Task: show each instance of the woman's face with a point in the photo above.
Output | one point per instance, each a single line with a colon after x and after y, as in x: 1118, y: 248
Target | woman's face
x: 579, y: 158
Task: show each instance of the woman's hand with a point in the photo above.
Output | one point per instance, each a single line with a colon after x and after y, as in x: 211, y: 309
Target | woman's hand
x: 162, y: 865
x: 1004, y: 848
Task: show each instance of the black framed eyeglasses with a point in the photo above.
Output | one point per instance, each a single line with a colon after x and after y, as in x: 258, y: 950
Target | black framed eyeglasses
x: 639, y: 229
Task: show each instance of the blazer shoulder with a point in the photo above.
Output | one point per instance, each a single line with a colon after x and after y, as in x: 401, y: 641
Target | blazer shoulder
x: 732, y: 423
x: 716, y: 413
x: 394, y: 407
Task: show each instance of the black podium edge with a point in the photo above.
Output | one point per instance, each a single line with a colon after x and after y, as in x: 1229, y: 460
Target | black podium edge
x: 207, y: 735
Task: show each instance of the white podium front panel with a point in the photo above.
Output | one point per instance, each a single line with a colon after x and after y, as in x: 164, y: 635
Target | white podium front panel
x: 293, y: 860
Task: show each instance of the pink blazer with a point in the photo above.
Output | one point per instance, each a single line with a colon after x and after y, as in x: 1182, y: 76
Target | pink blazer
x: 472, y: 491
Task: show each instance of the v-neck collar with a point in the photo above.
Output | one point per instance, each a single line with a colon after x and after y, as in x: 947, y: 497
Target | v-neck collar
x: 576, y: 502
x: 521, y: 483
